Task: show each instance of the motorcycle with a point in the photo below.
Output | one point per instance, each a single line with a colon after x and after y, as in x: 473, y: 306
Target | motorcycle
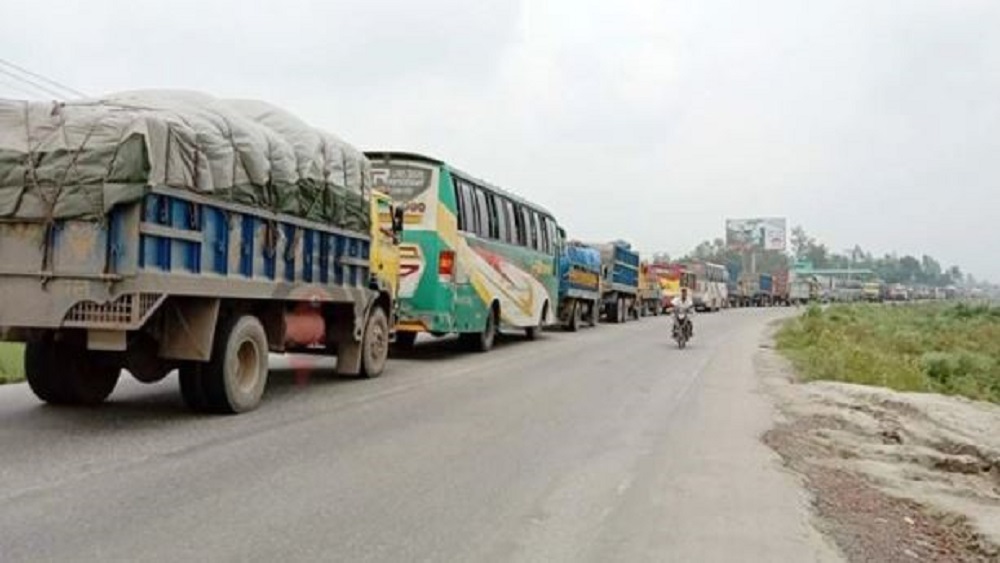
x: 682, y: 328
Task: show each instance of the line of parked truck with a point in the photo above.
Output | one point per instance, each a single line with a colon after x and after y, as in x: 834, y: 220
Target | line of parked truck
x: 606, y: 282
x: 154, y: 232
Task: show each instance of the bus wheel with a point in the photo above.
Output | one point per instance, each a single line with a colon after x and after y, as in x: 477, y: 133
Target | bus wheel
x: 481, y: 341
x: 532, y: 332
x: 574, y: 317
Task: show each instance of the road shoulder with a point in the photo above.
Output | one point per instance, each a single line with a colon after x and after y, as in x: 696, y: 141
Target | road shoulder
x: 894, y: 476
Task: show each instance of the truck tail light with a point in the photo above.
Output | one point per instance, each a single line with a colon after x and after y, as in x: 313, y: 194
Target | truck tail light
x: 446, y: 265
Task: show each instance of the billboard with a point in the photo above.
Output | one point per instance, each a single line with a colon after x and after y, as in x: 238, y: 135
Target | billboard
x: 756, y: 234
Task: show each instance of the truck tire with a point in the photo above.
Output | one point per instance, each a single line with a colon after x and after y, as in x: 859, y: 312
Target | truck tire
x: 481, y: 341
x: 65, y: 373
x: 375, y: 344
x: 233, y: 381
x: 574, y: 316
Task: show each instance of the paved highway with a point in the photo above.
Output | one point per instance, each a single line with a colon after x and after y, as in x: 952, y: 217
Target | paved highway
x: 607, y: 445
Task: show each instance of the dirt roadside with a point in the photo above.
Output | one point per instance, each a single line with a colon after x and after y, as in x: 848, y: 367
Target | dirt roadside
x: 895, y: 476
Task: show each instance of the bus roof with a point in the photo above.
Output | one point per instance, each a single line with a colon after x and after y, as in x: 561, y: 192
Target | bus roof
x: 412, y: 156
x: 401, y: 155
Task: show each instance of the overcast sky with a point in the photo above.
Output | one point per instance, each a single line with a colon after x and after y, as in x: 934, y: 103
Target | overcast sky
x: 868, y: 122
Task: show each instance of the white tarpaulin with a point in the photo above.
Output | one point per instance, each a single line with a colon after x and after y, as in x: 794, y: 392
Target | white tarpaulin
x: 79, y: 159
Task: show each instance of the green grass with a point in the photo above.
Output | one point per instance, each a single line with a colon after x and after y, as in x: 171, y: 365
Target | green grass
x: 942, y: 348
x: 11, y: 362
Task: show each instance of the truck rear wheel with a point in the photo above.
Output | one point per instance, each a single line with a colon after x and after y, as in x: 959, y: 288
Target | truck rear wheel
x: 375, y: 345
x: 63, y: 372
x: 233, y: 380
x: 574, y: 316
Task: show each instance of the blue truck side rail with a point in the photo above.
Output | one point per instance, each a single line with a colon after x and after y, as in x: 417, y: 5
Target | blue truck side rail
x: 619, y: 281
x: 177, y: 281
x: 111, y: 273
x: 623, y: 268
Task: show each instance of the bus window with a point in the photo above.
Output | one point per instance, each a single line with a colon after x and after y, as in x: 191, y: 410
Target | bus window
x: 543, y: 234
x: 484, y: 214
x: 531, y: 232
x: 500, y: 209
x: 554, y: 239
x: 460, y: 204
x: 491, y: 213
x: 511, y: 222
x: 467, y: 211
x: 525, y: 226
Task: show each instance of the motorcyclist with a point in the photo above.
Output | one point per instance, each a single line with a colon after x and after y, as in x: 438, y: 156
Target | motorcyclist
x: 683, y: 304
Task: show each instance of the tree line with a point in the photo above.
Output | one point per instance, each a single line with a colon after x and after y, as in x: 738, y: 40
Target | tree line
x: 890, y: 268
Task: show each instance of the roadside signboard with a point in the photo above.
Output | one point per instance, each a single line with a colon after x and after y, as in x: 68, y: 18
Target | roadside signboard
x: 764, y: 233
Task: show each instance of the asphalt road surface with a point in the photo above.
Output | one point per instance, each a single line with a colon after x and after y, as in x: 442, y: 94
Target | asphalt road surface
x: 607, y: 445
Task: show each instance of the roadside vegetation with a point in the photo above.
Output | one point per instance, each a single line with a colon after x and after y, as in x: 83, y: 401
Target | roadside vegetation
x: 11, y: 362
x: 952, y: 349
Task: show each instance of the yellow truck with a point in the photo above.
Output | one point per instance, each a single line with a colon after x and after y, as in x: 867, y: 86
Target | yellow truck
x: 387, y: 222
x: 650, y: 301
x: 872, y: 292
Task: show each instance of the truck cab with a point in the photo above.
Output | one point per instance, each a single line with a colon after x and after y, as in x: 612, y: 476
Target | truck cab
x: 386, y: 221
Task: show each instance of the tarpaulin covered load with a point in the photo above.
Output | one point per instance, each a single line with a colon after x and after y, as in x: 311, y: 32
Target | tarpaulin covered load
x: 79, y: 159
x: 584, y: 256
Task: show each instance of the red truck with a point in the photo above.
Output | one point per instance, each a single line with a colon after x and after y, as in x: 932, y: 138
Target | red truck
x: 780, y: 289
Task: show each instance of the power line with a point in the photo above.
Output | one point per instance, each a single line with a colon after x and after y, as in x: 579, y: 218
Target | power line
x: 32, y: 83
x: 18, y: 88
x: 73, y: 91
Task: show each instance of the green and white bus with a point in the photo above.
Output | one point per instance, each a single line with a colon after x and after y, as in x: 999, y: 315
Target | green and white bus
x: 474, y: 259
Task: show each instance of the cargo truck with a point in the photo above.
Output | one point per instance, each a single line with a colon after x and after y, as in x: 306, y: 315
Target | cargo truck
x: 780, y: 291
x: 579, y: 285
x: 619, y: 281
x: 747, y: 290
x: 872, y: 291
x: 165, y: 231
x: 650, y: 291
x: 764, y: 290
x: 802, y: 289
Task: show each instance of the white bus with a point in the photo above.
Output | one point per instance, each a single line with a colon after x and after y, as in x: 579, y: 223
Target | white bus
x: 710, y: 289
